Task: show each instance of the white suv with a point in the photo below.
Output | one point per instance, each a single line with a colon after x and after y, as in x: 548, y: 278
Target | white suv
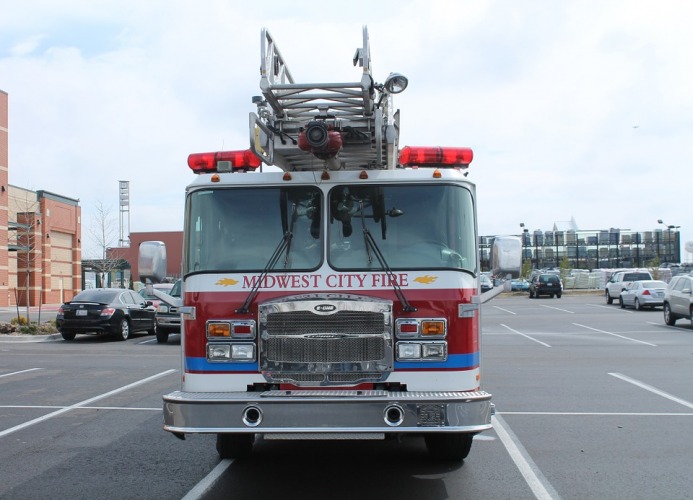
x: 620, y: 280
x: 678, y: 299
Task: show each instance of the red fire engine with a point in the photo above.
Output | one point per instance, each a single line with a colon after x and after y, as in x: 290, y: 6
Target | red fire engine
x: 335, y: 295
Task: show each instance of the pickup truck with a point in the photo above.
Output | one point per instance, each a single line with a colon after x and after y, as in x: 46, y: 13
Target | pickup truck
x: 619, y: 280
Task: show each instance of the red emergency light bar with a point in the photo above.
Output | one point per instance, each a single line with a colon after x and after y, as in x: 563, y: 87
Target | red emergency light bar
x: 435, y: 156
x: 202, y: 163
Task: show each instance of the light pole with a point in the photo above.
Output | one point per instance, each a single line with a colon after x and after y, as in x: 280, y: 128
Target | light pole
x: 670, y: 247
x: 525, y: 237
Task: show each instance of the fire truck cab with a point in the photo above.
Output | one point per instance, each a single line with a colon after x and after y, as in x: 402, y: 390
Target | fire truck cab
x: 335, y: 296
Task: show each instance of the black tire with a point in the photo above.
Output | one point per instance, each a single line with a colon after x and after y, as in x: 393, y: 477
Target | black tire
x: 609, y: 299
x: 636, y: 304
x: 558, y: 295
x: 123, y: 330
x: 449, y: 447
x: 620, y: 303
x: 235, y: 445
x: 68, y: 335
x: 531, y: 295
x: 669, y: 317
x: 161, y: 336
x: 154, y: 329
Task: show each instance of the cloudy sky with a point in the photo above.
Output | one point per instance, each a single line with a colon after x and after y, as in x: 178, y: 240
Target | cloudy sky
x: 577, y: 110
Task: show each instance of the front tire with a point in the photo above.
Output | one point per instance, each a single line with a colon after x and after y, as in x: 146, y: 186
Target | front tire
x: 669, y: 318
x: 68, y: 335
x: 448, y: 447
x: 609, y: 299
x: 235, y: 445
x: 161, y: 337
x: 123, y: 330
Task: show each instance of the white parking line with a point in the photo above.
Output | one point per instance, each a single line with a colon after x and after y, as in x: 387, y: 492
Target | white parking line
x: 505, y: 310
x: 208, y: 481
x: 534, y: 478
x: 614, y: 334
x: 526, y: 336
x: 558, y: 309
x: 82, y: 403
x: 22, y: 371
x: 653, y: 389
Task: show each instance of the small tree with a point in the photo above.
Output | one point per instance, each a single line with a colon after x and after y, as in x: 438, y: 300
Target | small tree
x: 653, y: 267
x: 526, y: 268
x: 103, y: 231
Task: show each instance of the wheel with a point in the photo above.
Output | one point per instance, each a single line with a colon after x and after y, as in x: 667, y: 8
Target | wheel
x: 690, y: 316
x: 235, y: 445
x: 154, y: 329
x: 620, y: 303
x: 531, y: 295
x: 123, y: 330
x: 68, y: 335
x: 609, y: 300
x: 449, y: 447
x: 669, y: 318
x: 161, y: 336
x: 636, y: 304
x: 558, y: 295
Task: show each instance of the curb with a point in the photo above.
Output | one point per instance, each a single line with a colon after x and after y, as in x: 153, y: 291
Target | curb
x: 29, y: 338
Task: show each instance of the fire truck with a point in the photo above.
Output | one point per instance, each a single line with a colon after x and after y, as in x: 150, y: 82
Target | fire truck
x: 330, y: 277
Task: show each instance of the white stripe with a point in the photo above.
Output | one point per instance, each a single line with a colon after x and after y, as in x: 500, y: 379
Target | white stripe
x: 653, y: 389
x: 527, y: 336
x: 529, y: 470
x: 595, y: 414
x: 34, y: 407
x: 558, y: 309
x: 82, y: 403
x: 615, y: 335
x: 17, y: 373
x: 505, y: 310
x: 206, y: 484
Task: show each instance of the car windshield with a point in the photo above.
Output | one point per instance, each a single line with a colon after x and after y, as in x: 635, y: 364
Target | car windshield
x: 96, y: 295
x: 654, y: 284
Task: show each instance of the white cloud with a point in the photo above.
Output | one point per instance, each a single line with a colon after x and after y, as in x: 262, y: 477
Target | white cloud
x: 546, y: 93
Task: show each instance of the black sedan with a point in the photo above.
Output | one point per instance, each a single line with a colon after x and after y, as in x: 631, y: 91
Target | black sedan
x: 114, y: 311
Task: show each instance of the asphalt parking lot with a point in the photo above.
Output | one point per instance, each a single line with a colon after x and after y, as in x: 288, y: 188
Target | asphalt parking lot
x: 592, y: 401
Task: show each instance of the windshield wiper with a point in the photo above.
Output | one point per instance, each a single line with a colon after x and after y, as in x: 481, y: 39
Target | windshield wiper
x: 370, y: 244
x: 283, y: 246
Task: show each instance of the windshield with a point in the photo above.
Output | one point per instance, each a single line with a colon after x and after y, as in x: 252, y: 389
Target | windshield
x: 414, y: 227
x: 409, y: 227
x: 240, y: 229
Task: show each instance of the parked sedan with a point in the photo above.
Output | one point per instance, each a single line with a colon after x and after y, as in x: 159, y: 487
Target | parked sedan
x: 167, y: 315
x: 148, y: 295
x: 643, y: 293
x: 114, y: 311
x: 519, y: 285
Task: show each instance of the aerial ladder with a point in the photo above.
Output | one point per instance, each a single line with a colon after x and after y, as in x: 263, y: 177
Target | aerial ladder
x: 317, y: 126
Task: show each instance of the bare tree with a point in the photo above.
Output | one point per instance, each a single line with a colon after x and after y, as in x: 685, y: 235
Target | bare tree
x: 103, y: 232
x: 24, y: 221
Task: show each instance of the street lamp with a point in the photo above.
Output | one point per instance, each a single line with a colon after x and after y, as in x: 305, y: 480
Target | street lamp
x: 525, y: 237
x: 670, y: 245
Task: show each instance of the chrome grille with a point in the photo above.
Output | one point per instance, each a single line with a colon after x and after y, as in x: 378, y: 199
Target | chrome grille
x: 325, y: 349
x: 326, y: 340
x: 306, y: 322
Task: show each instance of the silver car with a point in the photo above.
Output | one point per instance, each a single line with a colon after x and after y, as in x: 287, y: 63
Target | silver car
x: 678, y: 299
x: 643, y: 293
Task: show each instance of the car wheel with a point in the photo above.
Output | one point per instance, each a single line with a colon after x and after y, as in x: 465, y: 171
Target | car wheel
x: 531, y: 295
x: 448, y: 447
x: 123, y: 330
x: 621, y: 303
x: 235, y: 445
x: 161, y: 337
x: 609, y: 300
x: 68, y: 335
x: 636, y: 304
x: 669, y: 318
x: 154, y: 329
x: 558, y: 295
x: 690, y: 315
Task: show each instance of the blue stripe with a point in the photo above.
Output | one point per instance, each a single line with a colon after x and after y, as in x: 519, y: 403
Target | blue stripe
x: 202, y: 365
x: 456, y: 361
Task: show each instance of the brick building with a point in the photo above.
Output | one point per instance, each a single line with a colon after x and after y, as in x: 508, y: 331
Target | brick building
x: 174, y: 251
x: 40, y: 238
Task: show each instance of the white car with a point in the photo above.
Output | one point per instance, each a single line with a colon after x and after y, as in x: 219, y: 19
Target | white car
x: 643, y: 293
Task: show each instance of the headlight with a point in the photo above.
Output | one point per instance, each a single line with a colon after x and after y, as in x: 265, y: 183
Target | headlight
x: 163, y: 308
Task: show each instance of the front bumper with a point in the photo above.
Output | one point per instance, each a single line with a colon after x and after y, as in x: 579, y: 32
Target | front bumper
x: 325, y: 412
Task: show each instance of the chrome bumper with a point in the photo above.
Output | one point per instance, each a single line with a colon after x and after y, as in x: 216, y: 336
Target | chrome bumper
x: 324, y: 412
